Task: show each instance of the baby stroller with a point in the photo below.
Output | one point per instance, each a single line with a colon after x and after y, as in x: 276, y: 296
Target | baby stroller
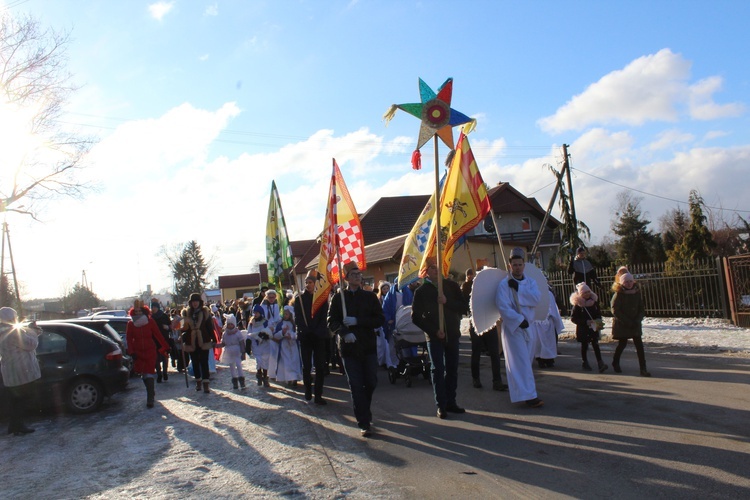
x: 411, y: 349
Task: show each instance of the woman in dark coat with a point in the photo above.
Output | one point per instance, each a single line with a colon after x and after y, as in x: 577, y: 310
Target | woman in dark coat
x: 628, y: 313
x: 198, y: 339
x: 588, y: 320
x: 145, y: 342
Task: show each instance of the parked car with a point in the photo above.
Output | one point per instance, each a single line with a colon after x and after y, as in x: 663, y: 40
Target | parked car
x: 79, y: 366
x: 119, y: 323
x: 103, y: 326
x: 111, y: 312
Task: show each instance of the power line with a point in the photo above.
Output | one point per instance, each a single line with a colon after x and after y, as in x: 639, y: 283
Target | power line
x: 652, y: 194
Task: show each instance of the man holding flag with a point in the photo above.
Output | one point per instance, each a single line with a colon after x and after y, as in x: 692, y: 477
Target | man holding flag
x: 355, y: 314
x: 463, y: 204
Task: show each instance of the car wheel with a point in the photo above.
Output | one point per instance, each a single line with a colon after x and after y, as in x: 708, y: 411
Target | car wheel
x: 85, y: 395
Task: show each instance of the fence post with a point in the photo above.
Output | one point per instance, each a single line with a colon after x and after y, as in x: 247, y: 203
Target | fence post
x: 722, y: 286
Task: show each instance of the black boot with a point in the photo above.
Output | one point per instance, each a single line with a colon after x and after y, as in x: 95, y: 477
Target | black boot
x: 149, y: 383
x: 235, y: 383
x: 585, y: 365
x: 242, y: 382
x: 602, y: 366
x: 644, y: 371
x: 259, y: 376
x: 158, y: 377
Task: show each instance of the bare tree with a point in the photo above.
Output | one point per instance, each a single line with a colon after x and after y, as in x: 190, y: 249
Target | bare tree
x: 41, y: 155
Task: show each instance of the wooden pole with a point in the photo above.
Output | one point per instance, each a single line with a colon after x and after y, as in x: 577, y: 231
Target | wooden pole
x: 566, y: 168
x: 546, y: 218
x: 438, y: 242
x: 499, y: 238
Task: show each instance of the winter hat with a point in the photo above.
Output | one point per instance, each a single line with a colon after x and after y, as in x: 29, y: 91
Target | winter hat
x: 214, y: 309
x: 195, y: 296
x: 8, y: 315
x: 517, y: 253
x: 290, y: 310
x: 349, y: 267
x: 626, y: 277
x: 583, y: 287
x: 258, y: 309
x: 271, y: 291
x: 155, y: 304
x: 231, y: 319
x: 580, y: 249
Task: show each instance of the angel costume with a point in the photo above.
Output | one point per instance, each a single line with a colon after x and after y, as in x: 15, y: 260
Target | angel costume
x: 285, y: 364
x: 518, y: 343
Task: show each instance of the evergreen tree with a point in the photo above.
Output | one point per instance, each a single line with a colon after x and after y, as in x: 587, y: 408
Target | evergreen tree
x: 189, y: 271
x: 80, y: 298
x: 673, y: 224
x: 636, y: 243
x: 698, y: 242
x: 7, y: 294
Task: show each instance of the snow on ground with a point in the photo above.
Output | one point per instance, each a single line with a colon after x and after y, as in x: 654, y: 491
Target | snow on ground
x: 256, y: 443
x: 694, y: 334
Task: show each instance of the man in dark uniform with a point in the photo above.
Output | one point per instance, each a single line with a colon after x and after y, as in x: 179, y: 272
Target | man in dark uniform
x: 312, y: 332
x: 442, y: 345
x: 357, y: 341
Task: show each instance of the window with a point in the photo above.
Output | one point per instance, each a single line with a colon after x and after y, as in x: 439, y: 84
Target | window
x: 525, y: 223
x: 51, y: 342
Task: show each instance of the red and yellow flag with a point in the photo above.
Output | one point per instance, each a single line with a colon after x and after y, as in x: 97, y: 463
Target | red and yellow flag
x: 463, y: 204
x: 342, y: 234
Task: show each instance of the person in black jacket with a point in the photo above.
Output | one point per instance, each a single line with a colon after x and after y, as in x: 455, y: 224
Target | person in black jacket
x: 442, y: 345
x: 312, y: 333
x: 165, y: 327
x: 357, y: 341
x: 582, y: 270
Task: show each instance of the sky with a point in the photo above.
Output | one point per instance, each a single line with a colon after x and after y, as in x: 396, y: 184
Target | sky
x: 197, y: 106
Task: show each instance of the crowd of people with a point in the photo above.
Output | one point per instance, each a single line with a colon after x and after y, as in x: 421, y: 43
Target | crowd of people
x: 354, y: 331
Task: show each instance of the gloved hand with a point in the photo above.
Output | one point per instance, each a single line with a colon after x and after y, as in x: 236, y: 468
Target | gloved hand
x: 350, y: 338
x: 524, y: 324
x: 350, y: 321
x: 263, y: 335
x: 513, y: 284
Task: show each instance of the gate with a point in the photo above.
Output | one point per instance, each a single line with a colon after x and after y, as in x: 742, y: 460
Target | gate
x: 737, y: 270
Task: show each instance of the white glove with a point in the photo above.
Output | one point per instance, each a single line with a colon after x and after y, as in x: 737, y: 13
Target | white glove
x: 350, y: 338
x: 350, y: 321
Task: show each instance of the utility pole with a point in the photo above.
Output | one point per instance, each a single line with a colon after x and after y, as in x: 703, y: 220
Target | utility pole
x: 6, y: 237
x: 566, y: 168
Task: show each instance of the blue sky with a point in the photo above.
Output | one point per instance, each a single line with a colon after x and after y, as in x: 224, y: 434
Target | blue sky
x: 199, y: 105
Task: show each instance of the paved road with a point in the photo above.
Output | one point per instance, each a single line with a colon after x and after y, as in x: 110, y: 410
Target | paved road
x: 682, y: 433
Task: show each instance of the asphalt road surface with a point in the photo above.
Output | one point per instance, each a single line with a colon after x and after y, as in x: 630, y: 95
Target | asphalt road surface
x: 682, y: 433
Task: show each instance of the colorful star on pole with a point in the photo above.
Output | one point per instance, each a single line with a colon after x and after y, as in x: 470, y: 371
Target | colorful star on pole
x: 435, y: 112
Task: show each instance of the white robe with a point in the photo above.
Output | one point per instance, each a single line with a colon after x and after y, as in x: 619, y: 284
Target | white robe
x: 518, y: 344
x: 261, y: 347
x: 284, y: 364
x: 548, y: 330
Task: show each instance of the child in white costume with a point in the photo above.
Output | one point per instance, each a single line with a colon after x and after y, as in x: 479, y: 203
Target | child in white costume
x: 285, y: 364
x: 260, y: 335
x: 547, y: 332
x: 233, y: 342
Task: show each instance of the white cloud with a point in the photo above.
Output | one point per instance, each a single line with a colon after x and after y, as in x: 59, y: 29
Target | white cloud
x: 669, y: 138
x: 160, y: 9
x: 651, y: 88
x: 701, y: 102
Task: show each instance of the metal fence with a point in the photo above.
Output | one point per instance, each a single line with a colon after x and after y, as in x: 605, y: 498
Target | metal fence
x: 689, y: 289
